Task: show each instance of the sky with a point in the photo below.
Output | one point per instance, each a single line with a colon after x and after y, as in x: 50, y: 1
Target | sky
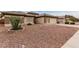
x: 61, y: 13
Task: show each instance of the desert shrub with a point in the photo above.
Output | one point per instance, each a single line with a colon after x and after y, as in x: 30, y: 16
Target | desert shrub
x: 29, y: 24
x: 72, y: 23
x: 15, y: 22
x: 66, y: 22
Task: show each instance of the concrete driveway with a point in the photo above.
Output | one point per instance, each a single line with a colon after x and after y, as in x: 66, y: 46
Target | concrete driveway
x: 73, y: 42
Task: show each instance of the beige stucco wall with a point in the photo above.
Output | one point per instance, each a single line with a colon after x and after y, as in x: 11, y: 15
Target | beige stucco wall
x: 6, y: 17
x: 53, y: 20
x: 28, y: 20
x: 47, y: 20
x: 7, y: 20
x: 40, y: 20
x: 61, y: 20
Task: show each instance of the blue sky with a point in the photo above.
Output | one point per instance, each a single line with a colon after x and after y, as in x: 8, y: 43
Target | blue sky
x: 61, y: 13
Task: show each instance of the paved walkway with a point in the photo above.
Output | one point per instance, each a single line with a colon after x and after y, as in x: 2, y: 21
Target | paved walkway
x: 73, y: 42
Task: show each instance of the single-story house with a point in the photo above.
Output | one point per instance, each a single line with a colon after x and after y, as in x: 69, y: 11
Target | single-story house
x: 24, y: 18
x: 29, y: 17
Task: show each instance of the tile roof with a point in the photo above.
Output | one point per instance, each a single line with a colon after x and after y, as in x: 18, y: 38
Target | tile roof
x: 18, y: 13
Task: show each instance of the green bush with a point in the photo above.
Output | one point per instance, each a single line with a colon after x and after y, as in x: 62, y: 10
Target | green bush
x: 72, y: 23
x: 15, y: 22
x: 66, y: 22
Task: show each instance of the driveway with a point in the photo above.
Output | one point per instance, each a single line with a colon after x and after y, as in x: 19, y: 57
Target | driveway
x: 73, y: 42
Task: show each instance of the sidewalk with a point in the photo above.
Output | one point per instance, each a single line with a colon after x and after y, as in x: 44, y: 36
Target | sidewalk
x: 73, y: 42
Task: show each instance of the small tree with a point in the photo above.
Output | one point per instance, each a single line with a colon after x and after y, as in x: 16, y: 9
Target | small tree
x: 15, y: 22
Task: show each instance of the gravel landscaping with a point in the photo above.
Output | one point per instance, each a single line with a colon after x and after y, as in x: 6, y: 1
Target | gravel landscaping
x: 36, y: 36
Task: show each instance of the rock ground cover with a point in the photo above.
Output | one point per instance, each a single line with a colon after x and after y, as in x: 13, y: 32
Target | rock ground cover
x: 36, y: 36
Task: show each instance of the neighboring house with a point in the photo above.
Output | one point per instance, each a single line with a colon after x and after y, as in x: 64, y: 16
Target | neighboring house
x: 61, y: 19
x: 67, y: 17
x: 45, y: 18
